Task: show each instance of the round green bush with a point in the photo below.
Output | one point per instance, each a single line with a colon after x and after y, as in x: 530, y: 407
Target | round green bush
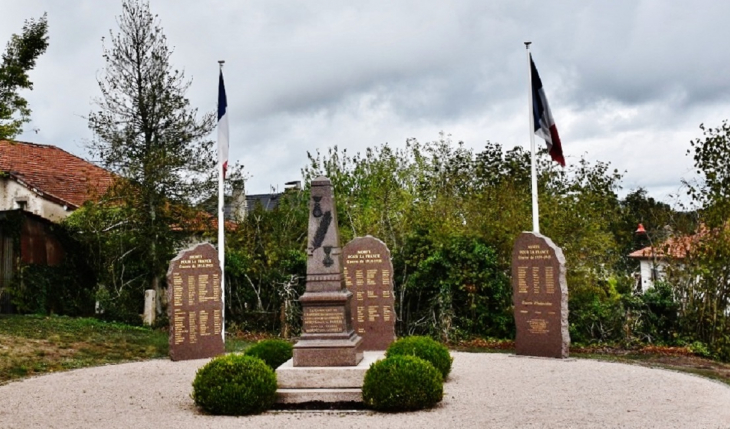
x: 274, y: 352
x: 425, y: 348
x: 234, y: 385
x: 402, y: 383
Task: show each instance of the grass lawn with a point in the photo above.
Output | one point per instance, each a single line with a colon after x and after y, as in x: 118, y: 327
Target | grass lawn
x: 31, y: 345
x: 672, y: 358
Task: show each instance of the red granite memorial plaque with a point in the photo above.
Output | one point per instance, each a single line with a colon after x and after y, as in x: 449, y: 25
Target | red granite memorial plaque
x: 540, y: 296
x: 194, y: 306
x: 368, y: 274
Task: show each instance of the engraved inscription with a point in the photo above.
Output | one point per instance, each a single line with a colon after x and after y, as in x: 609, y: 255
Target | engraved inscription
x: 533, y: 252
x: 370, y: 279
x: 549, y: 280
x: 191, y: 290
x: 522, y: 279
x: 348, y: 282
x: 179, y: 325
x: 203, y: 288
x: 373, y: 313
x: 538, y: 326
x: 217, y: 319
x: 216, y: 288
x: 204, y: 323
x: 193, y: 324
x: 322, y: 320
x: 177, y: 285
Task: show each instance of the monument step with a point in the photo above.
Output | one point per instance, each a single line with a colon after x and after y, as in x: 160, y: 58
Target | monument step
x: 301, y: 396
x: 325, y: 377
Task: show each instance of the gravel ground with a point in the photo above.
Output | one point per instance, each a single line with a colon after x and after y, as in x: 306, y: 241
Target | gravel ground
x: 483, y: 391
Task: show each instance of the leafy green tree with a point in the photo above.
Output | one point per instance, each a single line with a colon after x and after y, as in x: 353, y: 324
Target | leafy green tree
x: 146, y: 131
x: 18, y: 59
x: 266, y: 266
x: 456, y: 289
x: 712, y: 161
x: 107, y: 242
x: 702, y: 281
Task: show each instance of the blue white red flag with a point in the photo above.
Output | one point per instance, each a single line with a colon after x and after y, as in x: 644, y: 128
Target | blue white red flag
x: 544, y: 123
x: 222, y: 125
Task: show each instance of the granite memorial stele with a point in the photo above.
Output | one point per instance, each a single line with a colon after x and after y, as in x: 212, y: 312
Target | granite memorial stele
x: 368, y: 273
x: 540, y: 297
x: 195, y: 308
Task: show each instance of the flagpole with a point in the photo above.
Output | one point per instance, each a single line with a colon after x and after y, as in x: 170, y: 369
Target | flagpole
x: 531, y: 109
x: 221, y: 236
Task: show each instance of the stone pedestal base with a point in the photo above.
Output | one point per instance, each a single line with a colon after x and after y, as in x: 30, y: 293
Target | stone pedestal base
x: 300, y: 385
x: 328, y: 352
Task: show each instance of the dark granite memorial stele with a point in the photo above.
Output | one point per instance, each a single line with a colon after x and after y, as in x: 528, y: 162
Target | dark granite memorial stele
x: 328, y: 338
x: 540, y: 296
x: 368, y: 274
x: 194, y: 304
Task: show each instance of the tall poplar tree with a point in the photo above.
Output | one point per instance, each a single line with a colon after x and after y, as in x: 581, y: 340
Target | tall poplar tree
x: 146, y: 132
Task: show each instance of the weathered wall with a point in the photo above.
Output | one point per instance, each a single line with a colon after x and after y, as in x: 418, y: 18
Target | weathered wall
x: 11, y: 192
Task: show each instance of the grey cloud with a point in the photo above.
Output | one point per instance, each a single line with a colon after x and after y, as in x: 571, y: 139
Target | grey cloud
x: 303, y: 75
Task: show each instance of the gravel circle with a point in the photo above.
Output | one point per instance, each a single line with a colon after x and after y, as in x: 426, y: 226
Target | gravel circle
x: 483, y: 391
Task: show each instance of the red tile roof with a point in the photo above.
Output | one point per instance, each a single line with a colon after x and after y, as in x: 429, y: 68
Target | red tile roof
x: 674, y: 247
x: 647, y: 253
x: 54, y: 173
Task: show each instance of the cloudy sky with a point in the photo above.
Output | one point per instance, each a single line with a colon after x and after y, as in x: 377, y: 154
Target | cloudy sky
x: 629, y: 81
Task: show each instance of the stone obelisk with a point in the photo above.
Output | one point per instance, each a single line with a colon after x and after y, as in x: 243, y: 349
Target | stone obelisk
x: 328, y: 338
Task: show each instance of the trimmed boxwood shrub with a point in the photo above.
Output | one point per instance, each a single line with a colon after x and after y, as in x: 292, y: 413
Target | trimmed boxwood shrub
x: 425, y: 348
x: 402, y: 383
x: 235, y: 384
x: 274, y: 352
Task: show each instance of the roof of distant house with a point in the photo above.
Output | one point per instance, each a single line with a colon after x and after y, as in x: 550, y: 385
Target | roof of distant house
x: 674, y: 247
x: 53, y: 173
x: 267, y: 201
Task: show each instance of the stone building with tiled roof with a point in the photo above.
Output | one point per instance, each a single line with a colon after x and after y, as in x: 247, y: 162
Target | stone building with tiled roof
x: 47, y: 181
x: 40, y: 185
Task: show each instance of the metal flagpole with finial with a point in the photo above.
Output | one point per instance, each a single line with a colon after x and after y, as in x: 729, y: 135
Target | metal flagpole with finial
x: 531, y: 115
x: 222, y: 161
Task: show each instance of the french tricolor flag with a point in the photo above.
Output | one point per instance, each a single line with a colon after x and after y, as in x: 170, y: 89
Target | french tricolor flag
x: 222, y: 125
x: 544, y: 123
